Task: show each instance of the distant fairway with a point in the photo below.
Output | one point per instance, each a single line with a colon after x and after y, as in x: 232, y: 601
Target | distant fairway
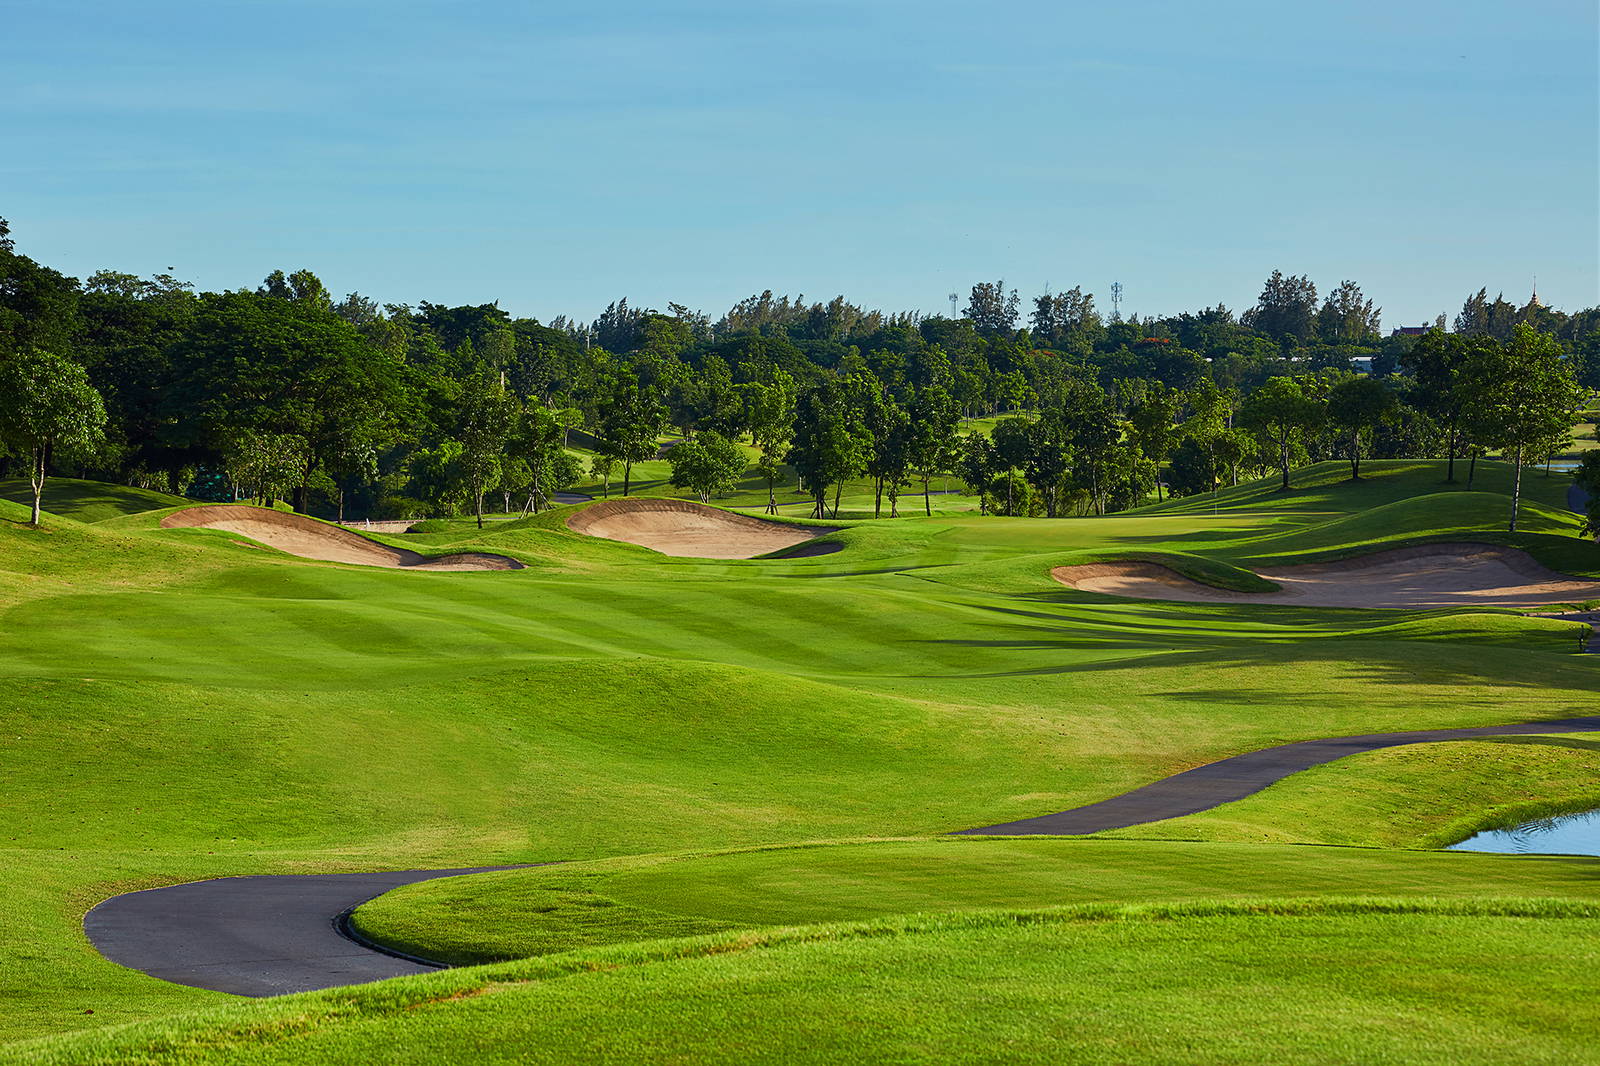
x: 184, y: 703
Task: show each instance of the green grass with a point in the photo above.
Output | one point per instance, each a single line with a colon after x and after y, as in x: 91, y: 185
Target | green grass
x: 523, y: 913
x: 182, y: 704
x: 1371, y: 981
x: 1327, y: 487
x: 1425, y: 795
x: 88, y: 501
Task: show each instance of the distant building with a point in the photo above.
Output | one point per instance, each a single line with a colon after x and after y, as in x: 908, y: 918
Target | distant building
x: 1410, y: 331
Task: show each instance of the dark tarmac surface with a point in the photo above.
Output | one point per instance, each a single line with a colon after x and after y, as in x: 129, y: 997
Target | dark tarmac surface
x: 1227, y: 780
x: 253, y: 936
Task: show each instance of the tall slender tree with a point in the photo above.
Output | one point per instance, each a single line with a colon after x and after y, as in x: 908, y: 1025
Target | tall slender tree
x: 47, y: 409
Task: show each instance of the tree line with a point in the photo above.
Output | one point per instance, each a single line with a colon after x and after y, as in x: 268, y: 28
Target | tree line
x: 347, y: 407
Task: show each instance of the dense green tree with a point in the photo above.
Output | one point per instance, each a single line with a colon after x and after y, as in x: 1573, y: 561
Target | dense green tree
x: 129, y: 325
x: 889, y: 455
x: 47, y: 409
x: 281, y: 366
x: 1098, y: 451
x: 267, y: 465
x: 931, y: 436
x: 38, y: 305
x: 977, y: 463
x: 707, y: 464
x: 632, y: 419
x: 1348, y: 317
x: 1483, y: 317
x: 992, y: 309
x: 831, y: 438
x: 1013, y: 440
x: 1357, y: 406
x: 440, y: 476
x: 1520, y: 393
x: 1191, y: 470
x: 489, y: 417
x: 1283, y: 413
x: 537, y: 443
x: 1437, y: 363
x: 1587, y: 478
x: 1286, y: 309
x: 1153, y: 418
x: 600, y: 467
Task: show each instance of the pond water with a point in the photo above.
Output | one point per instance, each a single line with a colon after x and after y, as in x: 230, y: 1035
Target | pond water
x: 1566, y: 834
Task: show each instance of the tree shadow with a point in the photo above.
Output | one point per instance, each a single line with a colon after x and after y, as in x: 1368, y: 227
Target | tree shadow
x: 1552, y: 742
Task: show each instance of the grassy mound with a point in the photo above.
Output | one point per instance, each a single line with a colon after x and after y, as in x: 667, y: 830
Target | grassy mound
x: 1370, y: 980
x: 1425, y: 795
x: 88, y: 501
x: 1327, y: 487
x: 523, y: 913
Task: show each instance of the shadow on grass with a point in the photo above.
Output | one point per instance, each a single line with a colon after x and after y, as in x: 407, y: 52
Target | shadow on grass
x: 1552, y: 742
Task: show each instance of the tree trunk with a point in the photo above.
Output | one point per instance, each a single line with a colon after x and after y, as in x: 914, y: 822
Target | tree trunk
x: 478, y: 496
x: 627, y: 477
x: 1355, y: 456
x: 341, y: 505
x: 1283, y: 462
x: 1472, y: 470
x: 837, y: 489
x: 772, y: 499
x: 301, y: 493
x: 1516, y: 488
x: 877, y: 497
x: 927, y: 501
x: 1009, y: 509
x: 36, y: 475
x: 1450, y: 447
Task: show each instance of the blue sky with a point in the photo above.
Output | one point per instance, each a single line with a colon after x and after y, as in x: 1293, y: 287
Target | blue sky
x: 555, y: 157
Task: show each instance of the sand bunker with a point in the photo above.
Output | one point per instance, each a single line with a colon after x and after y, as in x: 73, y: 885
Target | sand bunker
x: 678, y: 527
x: 1425, y: 576
x: 310, y: 539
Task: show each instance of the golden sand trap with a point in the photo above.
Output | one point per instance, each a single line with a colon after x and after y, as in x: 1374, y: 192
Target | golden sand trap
x: 1424, y: 576
x: 310, y: 539
x: 691, y: 530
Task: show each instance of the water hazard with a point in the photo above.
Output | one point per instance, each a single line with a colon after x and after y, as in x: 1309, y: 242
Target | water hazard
x: 1566, y: 834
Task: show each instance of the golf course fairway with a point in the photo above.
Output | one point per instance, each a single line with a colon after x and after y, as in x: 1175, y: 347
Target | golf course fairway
x: 746, y: 771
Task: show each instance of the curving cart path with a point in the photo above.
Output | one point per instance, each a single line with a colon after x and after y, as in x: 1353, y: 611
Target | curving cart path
x: 265, y: 935
x: 1234, y: 778
x: 273, y: 934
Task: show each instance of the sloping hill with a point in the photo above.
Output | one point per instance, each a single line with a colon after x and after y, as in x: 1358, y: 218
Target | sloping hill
x: 1327, y: 486
x: 89, y: 501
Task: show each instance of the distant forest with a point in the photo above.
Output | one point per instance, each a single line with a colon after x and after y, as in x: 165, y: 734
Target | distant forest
x: 351, y: 408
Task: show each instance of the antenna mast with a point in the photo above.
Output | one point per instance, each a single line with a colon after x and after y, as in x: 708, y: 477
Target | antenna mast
x: 955, y: 298
x: 1116, y: 301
